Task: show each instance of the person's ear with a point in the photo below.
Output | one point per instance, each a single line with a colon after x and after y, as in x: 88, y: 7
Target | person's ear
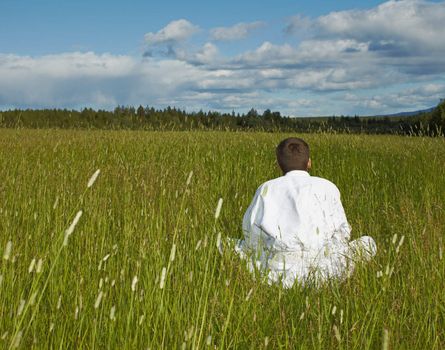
x: 309, y: 164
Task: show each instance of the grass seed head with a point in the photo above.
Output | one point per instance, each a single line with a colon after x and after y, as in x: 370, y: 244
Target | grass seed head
x: 400, y: 243
x: 31, y: 265
x: 336, y: 333
x: 7, y: 251
x: 218, y: 208
x: 189, y: 178
x: 134, y: 283
x: 32, y: 298
x: 173, y: 252
x: 113, y: 313
x: 209, y: 340
x: 218, y: 243
x: 56, y: 202
x: 249, y: 294
x: 70, y: 229
x: 163, y: 274
x: 17, y: 339
x: 394, y: 238
x: 98, y: 299
x: 93, y: 178
x: 141, y: 319
x: 190, y: 332
x: 21, y: 307
x: 39, y: 265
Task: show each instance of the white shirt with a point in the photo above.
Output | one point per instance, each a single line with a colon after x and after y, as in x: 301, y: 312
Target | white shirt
x: 296, y: 212
x: 294, y: 223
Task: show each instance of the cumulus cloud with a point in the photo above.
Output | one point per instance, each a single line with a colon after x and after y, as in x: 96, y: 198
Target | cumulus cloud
x: 63, y: 80
x: 308, y: 53
x: 394, y: 25
x: 297, y: 24
x: 208, y: 54
x: 174, y: 32
x: 418, y: 97
x: 401, y: 36
x: 87, y: 79
x: 237, y: 32
x: 394, y: 43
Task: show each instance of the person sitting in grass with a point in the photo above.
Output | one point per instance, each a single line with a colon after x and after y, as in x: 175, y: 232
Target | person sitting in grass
x: 296, y: 229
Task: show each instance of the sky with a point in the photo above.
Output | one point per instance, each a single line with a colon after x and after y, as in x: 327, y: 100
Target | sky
x: 302, y: 58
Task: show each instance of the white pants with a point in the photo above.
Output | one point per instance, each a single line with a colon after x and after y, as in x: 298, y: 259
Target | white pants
x: 334, y: 260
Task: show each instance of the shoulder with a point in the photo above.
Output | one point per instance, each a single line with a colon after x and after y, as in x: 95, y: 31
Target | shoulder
x: 265, y: 187
x: 317, y: 184
x: 325, y: 185
x: 276, y: 182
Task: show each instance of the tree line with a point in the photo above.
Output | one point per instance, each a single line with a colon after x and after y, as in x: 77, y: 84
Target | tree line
x: 170, y: 118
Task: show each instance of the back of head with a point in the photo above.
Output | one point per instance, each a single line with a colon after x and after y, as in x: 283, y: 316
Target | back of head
x: 292, y: 154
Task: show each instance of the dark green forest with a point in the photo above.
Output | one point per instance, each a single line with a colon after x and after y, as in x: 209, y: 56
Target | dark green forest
x: 148, y: 118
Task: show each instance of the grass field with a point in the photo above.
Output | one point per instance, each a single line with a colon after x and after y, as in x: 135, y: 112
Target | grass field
x: 141, y: 268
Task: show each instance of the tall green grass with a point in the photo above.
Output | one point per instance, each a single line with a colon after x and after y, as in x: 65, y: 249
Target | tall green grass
x: 142, y: 270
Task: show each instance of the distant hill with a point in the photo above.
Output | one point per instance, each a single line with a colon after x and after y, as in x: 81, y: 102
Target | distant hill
x: 405, y: 114
x: 394, y: 115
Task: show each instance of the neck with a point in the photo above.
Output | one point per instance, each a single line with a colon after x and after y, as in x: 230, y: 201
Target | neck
x: 285, y: 172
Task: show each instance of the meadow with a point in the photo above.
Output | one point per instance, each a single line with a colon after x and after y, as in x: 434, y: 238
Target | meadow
x: 128, y: 259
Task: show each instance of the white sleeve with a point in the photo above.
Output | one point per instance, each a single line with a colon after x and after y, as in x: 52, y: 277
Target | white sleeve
x: 342, y: 228
x: 252, y: 219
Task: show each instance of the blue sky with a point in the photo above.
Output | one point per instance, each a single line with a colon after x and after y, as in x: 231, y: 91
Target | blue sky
x: 299, y: 57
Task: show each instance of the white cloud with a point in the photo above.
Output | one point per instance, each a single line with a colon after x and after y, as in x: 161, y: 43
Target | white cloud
x: 407, y: 26
x: 237, y: 32
x: 63, y: 80
x: 267, y: 55
x: 67, y: 65
x: 395, y: 22
x: 395, y: 43
x: 87, y: 79
x: 298, y: 24
x: 408, y: 99
x: 175, y: 31
x: 308, y: 53
x: 208, y: 54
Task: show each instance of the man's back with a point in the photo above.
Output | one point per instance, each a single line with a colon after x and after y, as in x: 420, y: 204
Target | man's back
x: 296, y: 224
x: 296, y: 212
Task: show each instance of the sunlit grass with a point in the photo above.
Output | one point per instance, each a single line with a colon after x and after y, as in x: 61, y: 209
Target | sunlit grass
x: 127, y: 257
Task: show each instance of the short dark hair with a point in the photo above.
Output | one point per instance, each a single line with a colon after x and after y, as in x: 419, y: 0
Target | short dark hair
x: 292, y: 154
